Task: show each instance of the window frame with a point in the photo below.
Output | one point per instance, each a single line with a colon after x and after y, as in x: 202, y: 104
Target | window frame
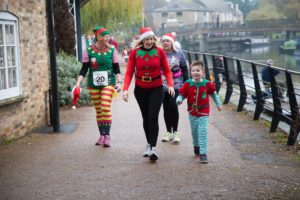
x: 179, y: 13
x: 164, y: 14
x: 9, y: 19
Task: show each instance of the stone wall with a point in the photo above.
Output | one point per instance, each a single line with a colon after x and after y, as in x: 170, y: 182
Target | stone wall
x: 22, y: 115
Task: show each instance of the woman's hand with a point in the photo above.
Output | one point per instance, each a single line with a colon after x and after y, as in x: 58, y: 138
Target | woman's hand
x: 118, y: 87
x: 171, y: 91
x: 125, y: 95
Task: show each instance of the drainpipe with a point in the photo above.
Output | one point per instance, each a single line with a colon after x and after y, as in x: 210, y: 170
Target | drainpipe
x: 78, y: 30
x: 52, y: 49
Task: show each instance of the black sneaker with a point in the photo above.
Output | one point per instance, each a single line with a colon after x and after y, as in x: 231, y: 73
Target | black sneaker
x: 203, y: 158
x: 196, y: 151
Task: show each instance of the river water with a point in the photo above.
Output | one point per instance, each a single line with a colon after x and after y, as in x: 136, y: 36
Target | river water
x: 261, y: 54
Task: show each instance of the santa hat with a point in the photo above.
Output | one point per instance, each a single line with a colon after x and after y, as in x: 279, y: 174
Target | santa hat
x: 168, y: 36
x: 75, y: 96
x: 146, y: 32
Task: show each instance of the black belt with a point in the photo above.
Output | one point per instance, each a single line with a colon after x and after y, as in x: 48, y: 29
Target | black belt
x: 148, y: 78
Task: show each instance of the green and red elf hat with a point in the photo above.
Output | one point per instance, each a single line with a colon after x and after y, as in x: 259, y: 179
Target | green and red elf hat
x: 100, y: 30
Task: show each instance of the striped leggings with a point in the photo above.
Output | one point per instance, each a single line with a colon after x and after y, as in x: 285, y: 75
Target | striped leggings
x: 199, y: 132
x: 102, y: 99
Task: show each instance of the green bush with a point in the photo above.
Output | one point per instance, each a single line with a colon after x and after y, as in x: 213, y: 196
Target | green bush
x: 67, y: 72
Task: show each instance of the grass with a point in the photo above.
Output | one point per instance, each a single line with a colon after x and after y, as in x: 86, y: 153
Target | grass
x: 279, y: 137
x: 9, y: 141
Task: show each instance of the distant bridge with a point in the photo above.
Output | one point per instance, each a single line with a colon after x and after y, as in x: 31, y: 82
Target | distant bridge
x: 251, y: 26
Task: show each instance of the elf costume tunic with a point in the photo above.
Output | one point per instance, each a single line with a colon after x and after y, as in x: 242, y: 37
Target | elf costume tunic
x: 197, y: 94
x: 146, y: 65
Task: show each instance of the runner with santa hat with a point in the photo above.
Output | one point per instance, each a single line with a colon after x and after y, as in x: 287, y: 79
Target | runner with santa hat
x: 179, y: 70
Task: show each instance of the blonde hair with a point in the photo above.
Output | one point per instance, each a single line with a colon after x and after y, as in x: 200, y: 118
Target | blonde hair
x: 140, y: 42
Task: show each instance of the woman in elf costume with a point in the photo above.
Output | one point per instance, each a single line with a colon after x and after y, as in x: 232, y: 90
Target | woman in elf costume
x: 100, y: 61
x: 146, y: 61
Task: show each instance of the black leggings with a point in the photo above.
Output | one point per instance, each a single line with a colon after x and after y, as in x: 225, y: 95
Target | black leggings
x: 171, y: 113
x: 150, y: 101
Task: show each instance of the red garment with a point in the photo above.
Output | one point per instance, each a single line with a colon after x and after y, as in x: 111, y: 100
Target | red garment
x: 145, y: 63
x: 114, y: 43
x: 197, y: 95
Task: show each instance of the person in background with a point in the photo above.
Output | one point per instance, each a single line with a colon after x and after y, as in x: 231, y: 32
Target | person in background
x: 197, y: 91
x: 89, y: 40
x: 100, y: 61
x: 146, y: 61
x: 265, y: 76
x: 113, y: 42
x: 179, y: 70
x: 176, y: 43
x: 219, y: 69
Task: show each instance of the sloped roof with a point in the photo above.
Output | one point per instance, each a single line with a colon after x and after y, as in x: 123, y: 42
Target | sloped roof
x: 216, y: 5
x: 150, y: 5
x: 181, y: 5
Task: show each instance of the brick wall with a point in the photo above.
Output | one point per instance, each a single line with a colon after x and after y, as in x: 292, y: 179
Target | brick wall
x: 20, y: 117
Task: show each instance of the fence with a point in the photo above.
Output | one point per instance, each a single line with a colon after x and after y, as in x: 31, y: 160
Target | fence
x: 243, y: 77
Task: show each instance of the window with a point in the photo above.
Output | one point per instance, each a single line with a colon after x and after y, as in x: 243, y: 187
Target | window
x: 181, y: 25
x: 179, y: 14
x: 9, y: 57
x: 164, y: 14
x: 163, y: 25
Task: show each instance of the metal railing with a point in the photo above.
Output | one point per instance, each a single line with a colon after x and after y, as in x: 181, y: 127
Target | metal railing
x: 243, y: 78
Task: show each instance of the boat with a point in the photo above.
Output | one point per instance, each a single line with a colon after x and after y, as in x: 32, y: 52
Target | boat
x: 288, y: 46
x: 256, y: 42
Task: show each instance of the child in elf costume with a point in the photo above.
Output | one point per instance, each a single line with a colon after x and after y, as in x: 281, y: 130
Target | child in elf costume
x: 196, y: 91
x: 100, y: 60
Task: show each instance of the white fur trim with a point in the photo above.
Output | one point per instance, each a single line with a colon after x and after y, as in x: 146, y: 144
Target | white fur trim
x: 146, y: 34
x: 165, y: 37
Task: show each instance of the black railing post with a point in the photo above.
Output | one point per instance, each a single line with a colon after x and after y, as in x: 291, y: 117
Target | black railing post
x: 206, y: 67
x: 276, y: 101
x: 196, y: 56
x: 229, y: 87
x: 243, y: 92
x: 259, y: 95
x: 189, y: 57
x: 216, y: 74
x: 295, y: 124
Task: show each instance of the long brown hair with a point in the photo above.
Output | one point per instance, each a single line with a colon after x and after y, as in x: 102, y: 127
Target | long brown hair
x: 140, y: 43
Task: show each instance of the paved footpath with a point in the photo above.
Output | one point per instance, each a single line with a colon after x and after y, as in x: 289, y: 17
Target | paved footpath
x: 243, y: 163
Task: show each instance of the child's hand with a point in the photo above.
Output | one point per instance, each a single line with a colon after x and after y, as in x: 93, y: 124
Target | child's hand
x: 179, y: 100
x: 219, y: 108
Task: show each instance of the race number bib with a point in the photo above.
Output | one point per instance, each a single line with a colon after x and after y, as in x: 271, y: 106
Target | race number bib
x: 100, y: 78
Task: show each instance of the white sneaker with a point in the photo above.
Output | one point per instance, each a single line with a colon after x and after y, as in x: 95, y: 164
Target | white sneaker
x: 176, y: 138
x: 167, y: 136
x: 147, y: 151
x: 153, y: 154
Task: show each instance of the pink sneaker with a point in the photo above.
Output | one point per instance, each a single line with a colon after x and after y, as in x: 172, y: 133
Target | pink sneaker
x: 106, y: 141
x: 100, y: 140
